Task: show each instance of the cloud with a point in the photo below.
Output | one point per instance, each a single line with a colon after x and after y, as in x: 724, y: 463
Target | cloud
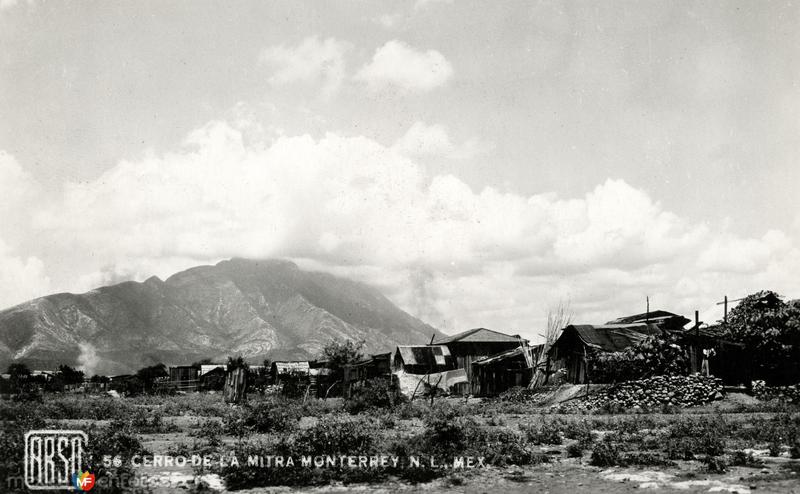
x: 398, y: 65
x: 457, y: 256
x: 424, y: 4
x: 23, y: 278
x: 422, y: 140
x: 311, y: 61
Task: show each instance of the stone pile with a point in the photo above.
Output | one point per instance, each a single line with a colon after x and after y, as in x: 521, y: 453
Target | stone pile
x: 653, y: 393
x: 783, y: 393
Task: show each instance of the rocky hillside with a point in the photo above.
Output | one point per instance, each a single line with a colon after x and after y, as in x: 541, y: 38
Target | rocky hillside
x: 254, y: 308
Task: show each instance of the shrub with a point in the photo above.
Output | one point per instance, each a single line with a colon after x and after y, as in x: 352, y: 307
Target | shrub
x: 606, y: 454
x: 575, y: 450
x: 794, y: 448
x: 655, y: 355
x: 116, y: 441
x: 447, y: 431
x: 210, y: 430
x: 742, y: 459
x: 501, y: 448
x: 546, y: 433
x: 715, y: 464
x: 645, y: 459
x: 375, y: 393
x: 333, y: 435
x: 268, y: 416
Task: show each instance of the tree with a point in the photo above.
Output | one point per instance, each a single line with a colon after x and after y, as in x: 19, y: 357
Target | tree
x: 149, y: 375
x: 341, y: 353
x: 237, y: 362
x: 558, y: 318
x: 18, y: 372
x: 70, y: 375
x: 769, y: 328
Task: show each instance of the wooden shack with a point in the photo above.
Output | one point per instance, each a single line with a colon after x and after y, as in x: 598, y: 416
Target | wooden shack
x: 497, y: 373
x: 476, y: 344
x: 570, y: 350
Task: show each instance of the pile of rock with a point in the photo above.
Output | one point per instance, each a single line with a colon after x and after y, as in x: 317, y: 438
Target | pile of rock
x: 784, y: 393
x: 655, y: 392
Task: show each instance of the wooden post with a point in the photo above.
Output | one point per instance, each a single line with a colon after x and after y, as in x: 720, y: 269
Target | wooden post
x: 725, y: 316
x: 235, y: 383
x: 647, y: 314
x: 697, y: 323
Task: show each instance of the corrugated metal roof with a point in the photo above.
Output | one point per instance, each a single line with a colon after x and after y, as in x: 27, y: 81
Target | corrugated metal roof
x: 479, y: 335
x: 430, y: 355
x: 613, y: 337
x: 289, y: 367
x: 206, y: 368
x: 652, y: 316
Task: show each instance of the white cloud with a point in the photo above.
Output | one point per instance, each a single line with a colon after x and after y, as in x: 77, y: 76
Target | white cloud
x: 311, y: 61
x: 23, y: 278
x: 424, y: 4
x: 398, y: 65
x: 457, y: 256
x: 422, y: 140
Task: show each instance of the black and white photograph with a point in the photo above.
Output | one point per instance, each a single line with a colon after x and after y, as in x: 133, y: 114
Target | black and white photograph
x: 458, y: 246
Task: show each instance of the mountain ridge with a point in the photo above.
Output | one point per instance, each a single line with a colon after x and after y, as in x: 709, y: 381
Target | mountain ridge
x: 255, y: 308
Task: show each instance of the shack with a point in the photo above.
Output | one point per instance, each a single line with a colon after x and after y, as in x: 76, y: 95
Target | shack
x: 184, y: 377
x: 476, y: 344
x: 213, y: 379
x: 726, y: 360
x: 578, y: 340
x: 372, y: 367
x: 294, y: 368
x: 497, y: 373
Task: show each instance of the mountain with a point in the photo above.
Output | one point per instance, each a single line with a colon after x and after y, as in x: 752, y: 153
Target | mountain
x: 258, y: 309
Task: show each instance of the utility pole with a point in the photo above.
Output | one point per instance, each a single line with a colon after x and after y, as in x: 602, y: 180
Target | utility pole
x: 647, y: 314
x: 697, y: 323
x: 725, y: 303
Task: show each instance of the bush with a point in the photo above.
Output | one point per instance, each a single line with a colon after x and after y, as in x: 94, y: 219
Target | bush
x: 378, y: 393
x: 115, y: 441
x: 606, y: 454
x: 269, y: 416
x: 575, y: 450
x: 210, y: 430
x: 503, y: 448
x: 645, y: 459
x: 715, y: 464
x: 742, y: 459
x: 333, y: 435
x: 655, y: 355
x: 546, y: 433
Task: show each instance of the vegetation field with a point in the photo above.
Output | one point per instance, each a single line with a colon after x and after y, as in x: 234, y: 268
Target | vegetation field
x: 462, y: 446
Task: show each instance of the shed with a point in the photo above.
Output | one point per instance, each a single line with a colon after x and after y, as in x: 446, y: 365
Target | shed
x: 497, y: 373
x: 577, y: 340
x: 729, y: 361
x: 183, y: 373
x: 213, y: 379
x: 475, y: 344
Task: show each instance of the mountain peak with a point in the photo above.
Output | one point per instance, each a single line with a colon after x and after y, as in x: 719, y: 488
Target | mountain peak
x: 256, y: 308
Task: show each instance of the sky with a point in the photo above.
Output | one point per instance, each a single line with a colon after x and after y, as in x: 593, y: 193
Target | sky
x: 478, y: 162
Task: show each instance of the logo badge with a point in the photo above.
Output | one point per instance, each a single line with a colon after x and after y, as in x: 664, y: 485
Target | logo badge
x: 52, y: 457
x: 83, y: 481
